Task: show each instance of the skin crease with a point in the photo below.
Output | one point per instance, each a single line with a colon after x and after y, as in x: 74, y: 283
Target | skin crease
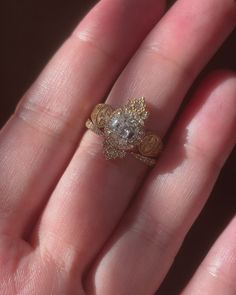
x: 42, y: 155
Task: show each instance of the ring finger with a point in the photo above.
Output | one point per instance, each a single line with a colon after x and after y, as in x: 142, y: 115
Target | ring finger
x: 143, y: 247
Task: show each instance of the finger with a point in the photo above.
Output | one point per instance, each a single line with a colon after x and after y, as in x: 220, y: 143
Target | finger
x: 216, y: 275
x: 93, y: 193
x: 173, y: 54
x: 153, y: 229
x: 40, y: 138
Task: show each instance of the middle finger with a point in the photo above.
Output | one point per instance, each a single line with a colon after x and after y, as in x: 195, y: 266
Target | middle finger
x: 93, y: 193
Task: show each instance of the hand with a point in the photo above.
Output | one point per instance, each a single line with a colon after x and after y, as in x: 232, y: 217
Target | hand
x: 74, y: 223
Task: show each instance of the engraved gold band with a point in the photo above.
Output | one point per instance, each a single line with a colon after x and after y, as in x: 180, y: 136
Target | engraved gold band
x: 124, y: 131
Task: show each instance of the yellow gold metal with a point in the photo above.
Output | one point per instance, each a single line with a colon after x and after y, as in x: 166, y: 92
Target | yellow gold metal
x: 151, y: 145
x: 100, y: 114
x: 124, y: 132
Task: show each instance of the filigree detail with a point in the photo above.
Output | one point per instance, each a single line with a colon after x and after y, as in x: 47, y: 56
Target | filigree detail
x: 90, y: 125
x: 101, y: 114
x: 151, y: 145
x: 112, y: 152
x: 138, y: 106
x: 123, y: 130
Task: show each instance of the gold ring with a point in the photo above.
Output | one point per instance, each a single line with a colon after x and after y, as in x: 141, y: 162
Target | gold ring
x: 124, y: 131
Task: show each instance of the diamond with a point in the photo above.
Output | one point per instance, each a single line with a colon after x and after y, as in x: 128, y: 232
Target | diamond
x: 123, y: 126
x: 124, y: 129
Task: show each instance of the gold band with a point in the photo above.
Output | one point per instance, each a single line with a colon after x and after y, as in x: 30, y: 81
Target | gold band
x: 124, y: 133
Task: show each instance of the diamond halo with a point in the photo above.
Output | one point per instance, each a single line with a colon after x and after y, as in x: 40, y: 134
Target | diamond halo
x: 123, y: 131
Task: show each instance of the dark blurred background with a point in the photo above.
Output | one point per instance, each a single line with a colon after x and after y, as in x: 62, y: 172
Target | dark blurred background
x: 30, y: 33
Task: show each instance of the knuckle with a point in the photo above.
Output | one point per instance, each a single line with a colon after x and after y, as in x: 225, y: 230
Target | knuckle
x: 153, y: 231
x: 159, y: 53
x: 44, y: 119
x: 89, y: 40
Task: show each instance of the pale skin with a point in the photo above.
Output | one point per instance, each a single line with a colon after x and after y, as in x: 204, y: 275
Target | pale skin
x: 72, y: 222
